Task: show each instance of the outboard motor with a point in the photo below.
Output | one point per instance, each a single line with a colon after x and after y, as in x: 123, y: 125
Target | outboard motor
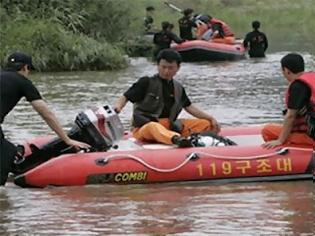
x: 100, y: 127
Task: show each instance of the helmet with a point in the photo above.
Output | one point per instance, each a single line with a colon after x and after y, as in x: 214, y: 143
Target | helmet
x: 203, y: 18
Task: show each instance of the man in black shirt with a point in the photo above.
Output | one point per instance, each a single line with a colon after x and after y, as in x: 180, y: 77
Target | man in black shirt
x: 158, y: 100
x: 300, y: 104
x: 164, y: 38
x: 13, y: 86
x: 256, y: 41
x: 186, y: 25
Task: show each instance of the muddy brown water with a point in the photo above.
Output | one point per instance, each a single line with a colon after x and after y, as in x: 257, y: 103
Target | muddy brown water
x: 237, y: 93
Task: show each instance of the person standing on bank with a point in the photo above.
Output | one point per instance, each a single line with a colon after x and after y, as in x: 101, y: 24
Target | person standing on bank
x: 256, y: 41
x: 158, y: 100
x: 13, y: 86
x: 298, y: 128
x: 148, y: 21
x: 164, y: 38
x: 186, y: 25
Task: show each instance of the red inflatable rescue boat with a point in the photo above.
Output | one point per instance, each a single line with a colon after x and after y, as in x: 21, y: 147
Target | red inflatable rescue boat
x: 201, y: 50
x: 135, y: 163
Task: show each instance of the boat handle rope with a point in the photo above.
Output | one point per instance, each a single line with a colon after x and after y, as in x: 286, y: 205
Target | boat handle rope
x: 105, y: 160
x: 282, y: 151
x: 194, y: 156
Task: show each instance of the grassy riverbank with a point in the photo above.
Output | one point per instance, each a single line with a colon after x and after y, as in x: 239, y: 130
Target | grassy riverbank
x: 94, y: 35
x: 64, y: 35
x: 289, y: 24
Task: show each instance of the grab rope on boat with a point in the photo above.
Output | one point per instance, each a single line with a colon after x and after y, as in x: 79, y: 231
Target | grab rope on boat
x: 282, y: 151
x: 194, y: 156
x: 138, y: 159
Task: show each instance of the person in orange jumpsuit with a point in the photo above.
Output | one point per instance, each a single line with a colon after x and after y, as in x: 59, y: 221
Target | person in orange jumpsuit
x: 210, y: 28
x: 158, y: 100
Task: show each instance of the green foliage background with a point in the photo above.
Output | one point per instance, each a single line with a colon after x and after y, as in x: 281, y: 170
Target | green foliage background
x: 63, y: 34
x: 289, y: 24
x: 95, y: 34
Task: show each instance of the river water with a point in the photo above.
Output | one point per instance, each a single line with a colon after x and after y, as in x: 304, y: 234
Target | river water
x: 243, y: 92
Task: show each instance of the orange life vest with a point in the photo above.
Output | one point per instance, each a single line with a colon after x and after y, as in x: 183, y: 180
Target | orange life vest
x: 309, y: 79
x: 226, y: 29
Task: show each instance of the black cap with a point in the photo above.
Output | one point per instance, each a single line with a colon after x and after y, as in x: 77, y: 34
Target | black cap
x: 150, y: 8
x: 188, y: 11
x: 19, y: 57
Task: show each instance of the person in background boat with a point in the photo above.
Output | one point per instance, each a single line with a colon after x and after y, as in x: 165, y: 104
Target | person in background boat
x: 210, y: 28
x: 148, y: 21
x: 13, y: 86
x: 298, y: 127
x: 164, y: 38
x: 171, y: 27
x: 256, y: 41
x: 186, y: 24
x: 158, y: 100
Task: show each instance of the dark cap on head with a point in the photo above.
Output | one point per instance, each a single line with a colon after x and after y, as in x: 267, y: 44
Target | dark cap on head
x: 150, y: 8
x: 256, y: 24
x: 20, y: 58
x: 188, y: 11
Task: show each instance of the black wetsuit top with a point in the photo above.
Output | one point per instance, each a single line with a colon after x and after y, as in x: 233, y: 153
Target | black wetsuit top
x: 185, y: 28
x: 257, y: 42
x: 163, y: 40
x: 13, y: 87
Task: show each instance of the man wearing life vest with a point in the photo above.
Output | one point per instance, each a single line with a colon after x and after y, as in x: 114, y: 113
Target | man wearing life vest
x: 158, y: 100
x: 299, y: 120
x: 220, y: 31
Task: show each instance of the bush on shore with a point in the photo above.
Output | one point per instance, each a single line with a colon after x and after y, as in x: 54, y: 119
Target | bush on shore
x: 66, y: 35
x: 56, y: 35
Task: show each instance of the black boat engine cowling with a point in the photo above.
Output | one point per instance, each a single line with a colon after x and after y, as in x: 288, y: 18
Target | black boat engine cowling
x: 100, y: 127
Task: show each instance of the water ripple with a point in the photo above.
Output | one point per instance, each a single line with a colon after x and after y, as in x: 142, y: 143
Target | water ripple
x: 237, y: 93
